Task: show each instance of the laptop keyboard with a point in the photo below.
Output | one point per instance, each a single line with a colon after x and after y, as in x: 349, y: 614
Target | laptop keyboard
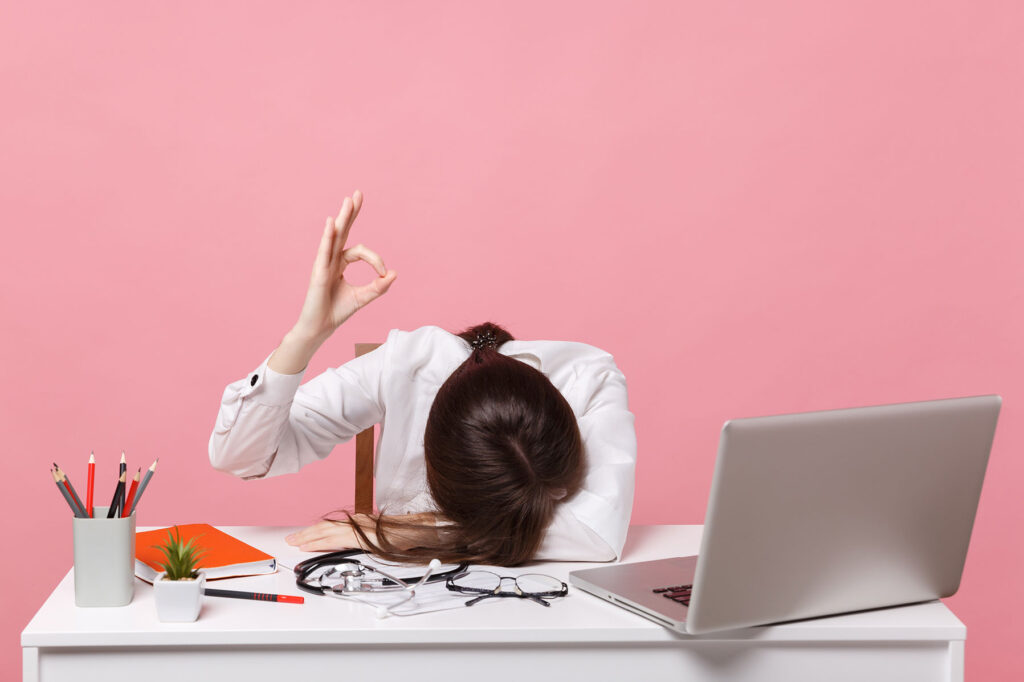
x: 677, y: 593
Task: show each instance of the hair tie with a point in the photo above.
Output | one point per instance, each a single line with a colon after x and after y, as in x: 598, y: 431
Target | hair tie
x: 483, y: 340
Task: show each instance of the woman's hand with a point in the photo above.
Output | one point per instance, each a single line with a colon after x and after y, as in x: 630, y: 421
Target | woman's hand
x: 331, y: 299
x: 328, y: 536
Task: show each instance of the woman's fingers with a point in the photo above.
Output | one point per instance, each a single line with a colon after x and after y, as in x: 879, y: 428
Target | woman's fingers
x: 342, y: 224
x: 360, y: 252
x: 325, y: 535
x: 328, y: 544
x: 314, y: 532
x: 323, y: 254
x: 355, y: 203
x: 376, y: 288
x: 341, y: 231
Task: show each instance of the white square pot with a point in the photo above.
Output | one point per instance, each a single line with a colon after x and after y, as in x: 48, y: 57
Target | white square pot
x: 178, y: 601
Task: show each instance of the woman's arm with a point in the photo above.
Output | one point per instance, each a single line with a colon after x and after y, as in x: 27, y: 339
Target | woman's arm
x: 569, y: 539
x: 604, y: 504
x: 294, y: 353
x: 258, y: 418
x: 269, y: 425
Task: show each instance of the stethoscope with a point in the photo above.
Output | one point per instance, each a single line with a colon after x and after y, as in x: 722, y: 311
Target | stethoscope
x: 346, y: 577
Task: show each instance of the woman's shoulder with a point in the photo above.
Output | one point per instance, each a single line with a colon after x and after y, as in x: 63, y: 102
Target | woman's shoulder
x: 559, y: 353
x: 426, y: 338
x: 420, y: 345
x: 424, y: 351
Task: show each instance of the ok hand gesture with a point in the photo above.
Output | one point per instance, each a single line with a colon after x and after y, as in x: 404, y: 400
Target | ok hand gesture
x: 332, y: 299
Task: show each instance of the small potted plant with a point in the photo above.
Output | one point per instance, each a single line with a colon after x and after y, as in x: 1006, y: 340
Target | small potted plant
x: 179, y: 588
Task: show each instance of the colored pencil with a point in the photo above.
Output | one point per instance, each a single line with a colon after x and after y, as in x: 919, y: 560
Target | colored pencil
x: 65, y: 493
x: 131, y: 494
x: 118, y: 492
x: 258, y: 596
x: 142, y: 486
x: 91, y: 484
x: 71, y: 489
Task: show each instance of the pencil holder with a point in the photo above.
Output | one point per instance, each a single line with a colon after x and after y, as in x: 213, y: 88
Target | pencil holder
x: 104, y: 559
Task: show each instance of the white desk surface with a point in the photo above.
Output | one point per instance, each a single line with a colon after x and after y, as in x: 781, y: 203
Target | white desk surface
x: 579, y: 617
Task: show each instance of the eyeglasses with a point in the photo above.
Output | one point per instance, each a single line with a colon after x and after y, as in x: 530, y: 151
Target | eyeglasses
x: 536, y: 587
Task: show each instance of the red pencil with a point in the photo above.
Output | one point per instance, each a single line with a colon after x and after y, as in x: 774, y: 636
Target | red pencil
x: 91, y: 484
x: 131, y: 493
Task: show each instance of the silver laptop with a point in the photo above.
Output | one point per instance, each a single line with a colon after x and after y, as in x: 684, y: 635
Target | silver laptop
x: 822, y: 513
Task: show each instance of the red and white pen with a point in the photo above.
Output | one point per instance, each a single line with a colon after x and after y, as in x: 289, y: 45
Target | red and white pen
x: 258, y: 596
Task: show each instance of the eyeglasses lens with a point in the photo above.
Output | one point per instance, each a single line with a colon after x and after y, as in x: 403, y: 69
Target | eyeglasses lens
x: 530, y: 583
x: 538, y: 583
x: 484, y: 581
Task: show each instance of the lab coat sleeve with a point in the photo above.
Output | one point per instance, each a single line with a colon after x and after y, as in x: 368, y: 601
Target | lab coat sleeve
x: 568, y: 539
x: 592, y: 525
x: 269, y: 425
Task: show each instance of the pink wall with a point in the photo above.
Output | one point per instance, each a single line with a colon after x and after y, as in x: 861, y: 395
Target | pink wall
x: 756, y: 208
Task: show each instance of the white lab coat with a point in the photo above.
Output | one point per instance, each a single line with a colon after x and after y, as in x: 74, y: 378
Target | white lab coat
x: 269, y: 425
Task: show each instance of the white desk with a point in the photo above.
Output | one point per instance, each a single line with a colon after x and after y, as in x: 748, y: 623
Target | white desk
x: 508, y: 640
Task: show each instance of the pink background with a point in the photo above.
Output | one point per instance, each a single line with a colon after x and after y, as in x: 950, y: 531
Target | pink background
x: 757, y: 208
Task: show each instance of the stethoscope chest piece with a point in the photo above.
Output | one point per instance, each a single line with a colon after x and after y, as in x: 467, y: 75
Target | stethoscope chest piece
x: 347, y: 577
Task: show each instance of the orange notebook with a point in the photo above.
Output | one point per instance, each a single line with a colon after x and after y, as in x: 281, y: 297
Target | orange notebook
x: 226, y: 556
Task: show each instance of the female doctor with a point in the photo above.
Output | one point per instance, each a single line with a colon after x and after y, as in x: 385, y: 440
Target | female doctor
x: 492, y: 450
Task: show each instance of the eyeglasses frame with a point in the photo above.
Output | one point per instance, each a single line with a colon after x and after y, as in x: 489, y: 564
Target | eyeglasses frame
x: 538, y: 597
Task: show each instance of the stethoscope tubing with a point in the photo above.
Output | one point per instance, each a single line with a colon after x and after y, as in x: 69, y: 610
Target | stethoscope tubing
x: 304, y: 569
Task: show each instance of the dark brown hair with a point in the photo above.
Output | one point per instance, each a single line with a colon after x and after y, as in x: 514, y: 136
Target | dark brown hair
x: 502, y: 449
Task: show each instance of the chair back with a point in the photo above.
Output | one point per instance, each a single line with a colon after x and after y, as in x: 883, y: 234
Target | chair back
x: 364, y: 455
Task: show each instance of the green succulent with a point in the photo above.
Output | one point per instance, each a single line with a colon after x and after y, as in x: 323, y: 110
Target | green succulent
x: 182, y: 557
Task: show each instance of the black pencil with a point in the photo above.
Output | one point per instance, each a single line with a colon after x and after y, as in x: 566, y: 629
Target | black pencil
x: 118, y: 492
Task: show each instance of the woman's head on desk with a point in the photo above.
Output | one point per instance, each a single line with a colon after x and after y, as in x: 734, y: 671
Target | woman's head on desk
x: 502, y: 450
